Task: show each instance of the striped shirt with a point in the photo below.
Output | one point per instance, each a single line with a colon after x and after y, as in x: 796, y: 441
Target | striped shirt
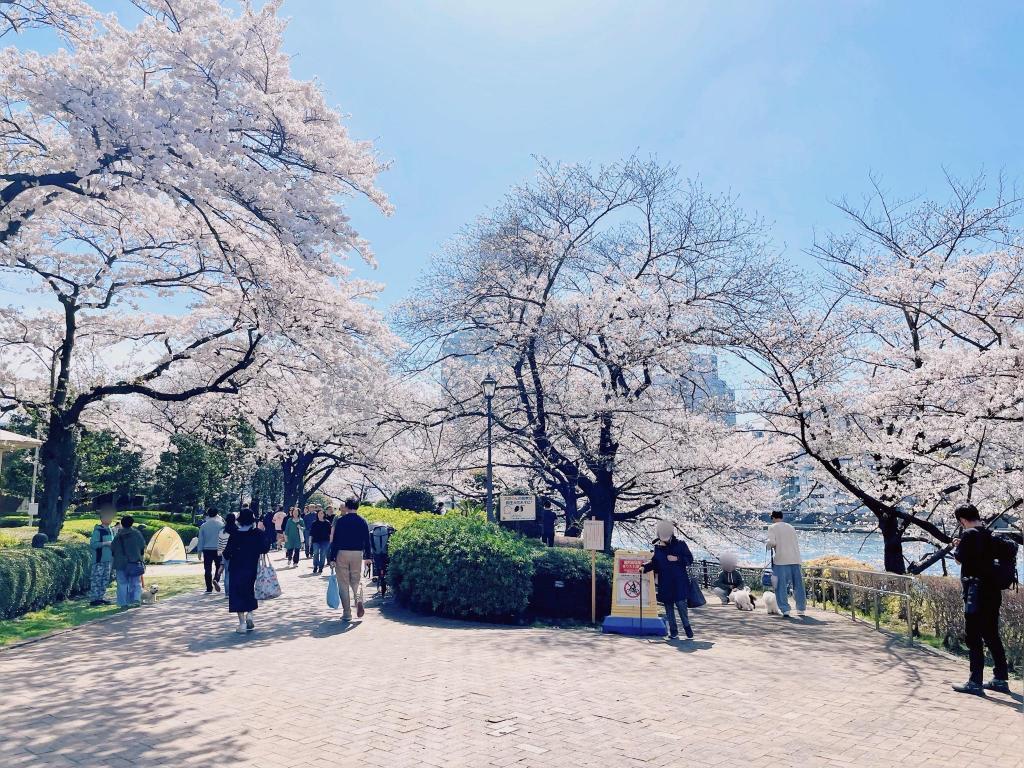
x: 222, y: 541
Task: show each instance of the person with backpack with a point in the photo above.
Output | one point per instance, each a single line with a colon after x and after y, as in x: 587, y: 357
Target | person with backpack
x: 350, y: 550
x: 981, y: 558
x: 126, y: 553
x: 380, y: 534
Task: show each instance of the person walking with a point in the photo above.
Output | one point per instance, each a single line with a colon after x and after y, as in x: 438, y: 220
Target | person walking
x: 270, y: 528
x: 786, y: 569
x: 670, y: 560
x: 243, y: 552
x: 309, y: 518
x: 279, y: 520
x: 294, y: 529
x: 320, y: 538
x: 350, y: 551
x: 100, y: 543
x: 982, y: 600
x: 209, y: 547
x: 126, y: 553
x: 230, y: 526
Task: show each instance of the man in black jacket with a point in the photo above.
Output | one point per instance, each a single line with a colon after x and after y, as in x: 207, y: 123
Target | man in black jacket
x: 350, y: 550
x: 982, y: 600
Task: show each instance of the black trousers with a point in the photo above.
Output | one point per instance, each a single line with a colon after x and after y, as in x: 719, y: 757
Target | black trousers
x: 982, y: 629
x: 211, y: 559
x: 292, y: 555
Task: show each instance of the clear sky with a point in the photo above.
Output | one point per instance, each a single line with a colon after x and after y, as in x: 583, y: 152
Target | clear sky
x: 787, y: 105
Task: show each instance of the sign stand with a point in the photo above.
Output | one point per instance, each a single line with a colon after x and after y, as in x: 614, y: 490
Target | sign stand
x: 632, y: 593
x: 593, y: 539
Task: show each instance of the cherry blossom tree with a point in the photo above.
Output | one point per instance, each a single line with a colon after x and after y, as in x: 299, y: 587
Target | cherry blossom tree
x: 588, y: 293
x: 171, y: 204
x: 900, y: 376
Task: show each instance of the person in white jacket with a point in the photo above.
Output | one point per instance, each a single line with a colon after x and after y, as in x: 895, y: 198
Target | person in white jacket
x: 786, y: 565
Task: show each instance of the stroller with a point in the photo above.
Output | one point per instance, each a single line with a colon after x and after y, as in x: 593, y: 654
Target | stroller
x: 380, y: 533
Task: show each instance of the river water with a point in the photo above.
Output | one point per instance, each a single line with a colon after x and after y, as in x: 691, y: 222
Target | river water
x: 749, y: 547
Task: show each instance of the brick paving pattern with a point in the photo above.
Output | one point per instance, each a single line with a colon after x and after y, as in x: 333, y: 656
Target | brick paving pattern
x: 172, y: 685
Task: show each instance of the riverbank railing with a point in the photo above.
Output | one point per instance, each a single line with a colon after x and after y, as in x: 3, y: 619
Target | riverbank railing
x: 872, y: 593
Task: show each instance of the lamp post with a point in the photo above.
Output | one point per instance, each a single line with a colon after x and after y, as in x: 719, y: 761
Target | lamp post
x: 489, y: 385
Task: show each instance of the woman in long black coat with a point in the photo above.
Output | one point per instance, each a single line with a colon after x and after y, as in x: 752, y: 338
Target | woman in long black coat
x: 243, y: 552
x: 670, y: 560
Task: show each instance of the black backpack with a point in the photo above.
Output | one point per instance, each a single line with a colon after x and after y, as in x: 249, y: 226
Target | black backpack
x: 379, y: 536
x: 1004, y: 561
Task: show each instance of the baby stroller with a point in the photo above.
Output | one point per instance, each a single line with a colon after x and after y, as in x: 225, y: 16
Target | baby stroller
x: 380, y: 533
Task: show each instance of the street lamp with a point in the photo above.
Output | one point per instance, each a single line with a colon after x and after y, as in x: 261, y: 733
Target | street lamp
x: 489, y: 385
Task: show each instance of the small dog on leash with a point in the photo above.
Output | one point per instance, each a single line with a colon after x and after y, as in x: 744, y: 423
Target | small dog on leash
x: 743, y: 599
x: 149, y: 594
x: 771, y: 604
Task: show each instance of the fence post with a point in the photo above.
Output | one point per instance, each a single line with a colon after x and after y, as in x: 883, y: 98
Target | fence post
x: 878, y: 609
x: 704, y: 573
x: 835, y: 596
x: 910, y: 621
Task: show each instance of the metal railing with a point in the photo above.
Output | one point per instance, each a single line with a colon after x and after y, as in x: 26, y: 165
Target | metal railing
x: 843, y: 585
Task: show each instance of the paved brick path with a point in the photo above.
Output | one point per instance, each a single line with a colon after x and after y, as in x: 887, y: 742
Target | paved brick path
x: 172, y: 685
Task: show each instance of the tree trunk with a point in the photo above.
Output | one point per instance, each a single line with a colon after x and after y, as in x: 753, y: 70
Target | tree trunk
x: 60, y: 472
x: 293, y: 472
x: 892, y: 538
x: 573, y: 520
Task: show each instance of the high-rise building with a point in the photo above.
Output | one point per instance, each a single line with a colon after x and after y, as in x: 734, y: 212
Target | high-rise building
x: 706, y: 391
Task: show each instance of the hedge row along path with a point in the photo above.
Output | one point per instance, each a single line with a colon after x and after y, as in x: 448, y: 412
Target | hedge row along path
x: 172, y: 685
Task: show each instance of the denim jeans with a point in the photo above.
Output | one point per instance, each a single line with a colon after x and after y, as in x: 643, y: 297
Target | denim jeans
x: 684, y: 614
x: 787, y: 576
x: 129, y: 589
x: 227, y: 569
x: 321, y: 549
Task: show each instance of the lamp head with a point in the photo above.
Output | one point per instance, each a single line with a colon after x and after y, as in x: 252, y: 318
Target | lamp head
x: 489, y: 385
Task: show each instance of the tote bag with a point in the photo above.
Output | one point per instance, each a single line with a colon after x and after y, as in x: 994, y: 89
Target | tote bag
x: 267, y: 586
x: 333, y: 595
x: 695, y: 598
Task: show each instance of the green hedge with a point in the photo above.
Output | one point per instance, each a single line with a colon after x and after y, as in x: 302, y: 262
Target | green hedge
x: 461, y: 567
x: 83, y: 526
x: 31, y: 579
x: 561, y: 584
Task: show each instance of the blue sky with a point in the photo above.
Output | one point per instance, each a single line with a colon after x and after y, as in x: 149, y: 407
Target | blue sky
x: 787, y: 105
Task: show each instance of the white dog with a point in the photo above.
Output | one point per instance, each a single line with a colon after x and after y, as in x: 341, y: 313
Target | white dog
x: 149, y: 594
x: 742, y: 598
x: 771, y: 604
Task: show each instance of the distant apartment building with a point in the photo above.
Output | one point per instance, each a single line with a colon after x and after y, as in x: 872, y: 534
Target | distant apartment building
x: 706, y: 391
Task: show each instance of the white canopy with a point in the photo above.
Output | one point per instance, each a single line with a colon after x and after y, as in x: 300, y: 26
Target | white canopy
x: 10, y: 441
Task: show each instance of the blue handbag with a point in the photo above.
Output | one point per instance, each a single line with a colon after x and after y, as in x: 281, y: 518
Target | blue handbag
x: 333, y: 595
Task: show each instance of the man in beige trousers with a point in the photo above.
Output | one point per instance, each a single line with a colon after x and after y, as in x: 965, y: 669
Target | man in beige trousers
x: 350, y: 550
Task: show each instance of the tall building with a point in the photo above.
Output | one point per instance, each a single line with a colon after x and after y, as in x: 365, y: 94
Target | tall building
x: 706, y: 391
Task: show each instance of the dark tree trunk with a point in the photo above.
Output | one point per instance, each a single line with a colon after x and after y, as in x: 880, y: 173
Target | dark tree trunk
x: 573, y: 520
x: 60, y: 472
x: 892, y: 539
x: 293, y: 475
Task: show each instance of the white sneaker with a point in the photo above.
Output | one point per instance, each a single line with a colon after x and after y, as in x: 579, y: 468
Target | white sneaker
x: 250, y: 625
x: 241, y: 629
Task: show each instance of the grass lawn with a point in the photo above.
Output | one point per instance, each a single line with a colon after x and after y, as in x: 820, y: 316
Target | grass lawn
x: 72, y: 613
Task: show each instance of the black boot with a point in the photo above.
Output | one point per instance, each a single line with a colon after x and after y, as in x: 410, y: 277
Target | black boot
x: 995, y: 684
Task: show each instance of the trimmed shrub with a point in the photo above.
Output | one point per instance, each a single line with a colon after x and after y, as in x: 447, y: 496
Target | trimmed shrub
x: 460, y: 567
x: 396, y: 518
x: 31, y: 579
x: 416, y: 499
x: 561, y: 584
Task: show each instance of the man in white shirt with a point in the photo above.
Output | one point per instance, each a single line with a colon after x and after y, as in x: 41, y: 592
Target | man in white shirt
x: 786, y: 565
